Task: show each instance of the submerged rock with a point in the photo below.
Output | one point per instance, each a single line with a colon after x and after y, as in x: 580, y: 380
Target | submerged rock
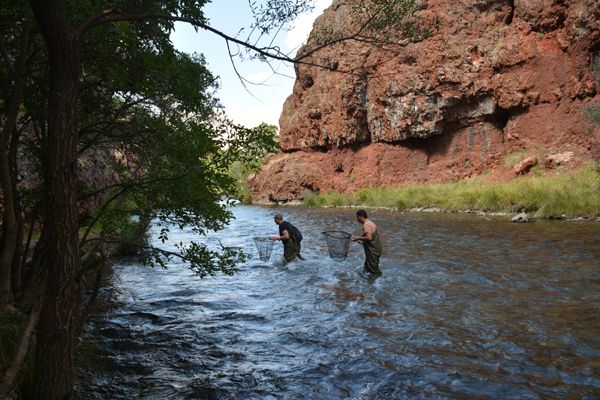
x: 521, y: 217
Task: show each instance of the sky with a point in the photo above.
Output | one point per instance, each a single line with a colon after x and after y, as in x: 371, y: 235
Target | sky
x: 265, y: 100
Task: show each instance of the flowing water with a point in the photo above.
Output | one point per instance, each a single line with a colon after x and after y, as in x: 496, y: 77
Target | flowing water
x: 466, y: 308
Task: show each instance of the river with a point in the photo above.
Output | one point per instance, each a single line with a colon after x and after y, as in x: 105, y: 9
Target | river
x: 467, y: 307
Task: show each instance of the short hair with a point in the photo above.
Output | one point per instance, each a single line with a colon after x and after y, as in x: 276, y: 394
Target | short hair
x: 278, y: 217
x: 361, y: 213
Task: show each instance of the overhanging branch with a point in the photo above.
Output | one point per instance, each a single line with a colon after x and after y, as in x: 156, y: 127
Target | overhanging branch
x: 113, y: 15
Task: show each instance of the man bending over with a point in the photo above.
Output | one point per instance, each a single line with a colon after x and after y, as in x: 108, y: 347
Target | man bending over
x: 291, y: 238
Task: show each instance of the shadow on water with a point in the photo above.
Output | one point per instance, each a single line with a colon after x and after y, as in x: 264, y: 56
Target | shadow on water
x: 465, y: 308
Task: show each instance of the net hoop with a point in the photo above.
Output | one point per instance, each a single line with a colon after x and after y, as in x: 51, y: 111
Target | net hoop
x: 338, y: 244
x: 264, y: 245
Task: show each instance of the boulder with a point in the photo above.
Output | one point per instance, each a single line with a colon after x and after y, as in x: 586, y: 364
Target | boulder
x: 521, y: 217
x: 525, y: 166
x: 553, y: 160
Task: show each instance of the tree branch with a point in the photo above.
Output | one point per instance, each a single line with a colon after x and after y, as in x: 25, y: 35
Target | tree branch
x: 133, y: 185
x: 158, y: 249
x: 115, y: 15
x: 10, y: 378
x: 100, y: 212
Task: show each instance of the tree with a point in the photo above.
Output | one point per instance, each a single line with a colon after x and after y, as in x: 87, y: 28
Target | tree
x: 252, y: 157
x: 107, y: 79
x: 12, y: 94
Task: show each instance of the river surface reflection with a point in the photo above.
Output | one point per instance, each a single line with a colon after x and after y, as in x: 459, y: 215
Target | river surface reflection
x: 466, y: 308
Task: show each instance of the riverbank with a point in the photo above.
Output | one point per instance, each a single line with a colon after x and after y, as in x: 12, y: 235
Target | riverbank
x: 565, y: 196
x: 19, y: 320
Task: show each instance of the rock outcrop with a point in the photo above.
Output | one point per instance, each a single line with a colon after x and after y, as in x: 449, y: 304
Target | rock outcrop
x: 554, y: 160
x: 525, y: 166
x: 493, y: 78
x: 96, y: 169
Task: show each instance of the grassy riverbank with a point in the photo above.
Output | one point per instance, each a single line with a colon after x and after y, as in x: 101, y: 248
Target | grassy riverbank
x: 570, y: 195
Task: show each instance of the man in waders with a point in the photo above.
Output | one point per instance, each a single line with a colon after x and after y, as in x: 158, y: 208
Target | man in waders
x: 371, y: 243
x: 291, y: 238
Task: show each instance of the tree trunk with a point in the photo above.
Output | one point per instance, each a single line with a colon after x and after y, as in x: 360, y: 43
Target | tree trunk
x: 10, y: 221
x: 17, y: 271
x: 12, y: 374
x: 59, y: 321
x: 35, y: 272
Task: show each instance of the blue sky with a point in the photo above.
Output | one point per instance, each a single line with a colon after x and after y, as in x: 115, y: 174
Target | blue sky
x: 264, y: 102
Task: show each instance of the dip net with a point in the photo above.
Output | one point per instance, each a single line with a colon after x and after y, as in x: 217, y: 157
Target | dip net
x: 264, y: 246
x: 338, y: 243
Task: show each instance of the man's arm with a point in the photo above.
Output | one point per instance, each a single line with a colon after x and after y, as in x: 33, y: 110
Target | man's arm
x: 285, y: 235
x: 367, y: 235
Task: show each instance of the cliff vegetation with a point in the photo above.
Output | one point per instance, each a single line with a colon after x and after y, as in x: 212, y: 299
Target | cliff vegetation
x: 567, y: 195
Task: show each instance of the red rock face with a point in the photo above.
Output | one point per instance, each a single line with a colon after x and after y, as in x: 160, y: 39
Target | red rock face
x: 494, y: 77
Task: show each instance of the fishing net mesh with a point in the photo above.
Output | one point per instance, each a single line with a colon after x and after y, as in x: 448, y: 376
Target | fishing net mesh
x: 265, y: 247
x: 338, y: 243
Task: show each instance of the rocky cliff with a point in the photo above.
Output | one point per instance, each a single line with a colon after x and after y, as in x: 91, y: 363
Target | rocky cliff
x: 493, y: 78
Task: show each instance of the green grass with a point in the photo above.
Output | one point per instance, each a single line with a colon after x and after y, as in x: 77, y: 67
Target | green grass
x: 514, y: 158
x: 576, y: 194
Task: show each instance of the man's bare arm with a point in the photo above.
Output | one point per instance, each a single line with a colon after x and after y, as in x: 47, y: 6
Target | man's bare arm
x: 367, y: 235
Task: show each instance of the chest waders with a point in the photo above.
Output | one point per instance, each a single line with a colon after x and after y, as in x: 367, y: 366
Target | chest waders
x: 291, y: 249
x: 372, y: 254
